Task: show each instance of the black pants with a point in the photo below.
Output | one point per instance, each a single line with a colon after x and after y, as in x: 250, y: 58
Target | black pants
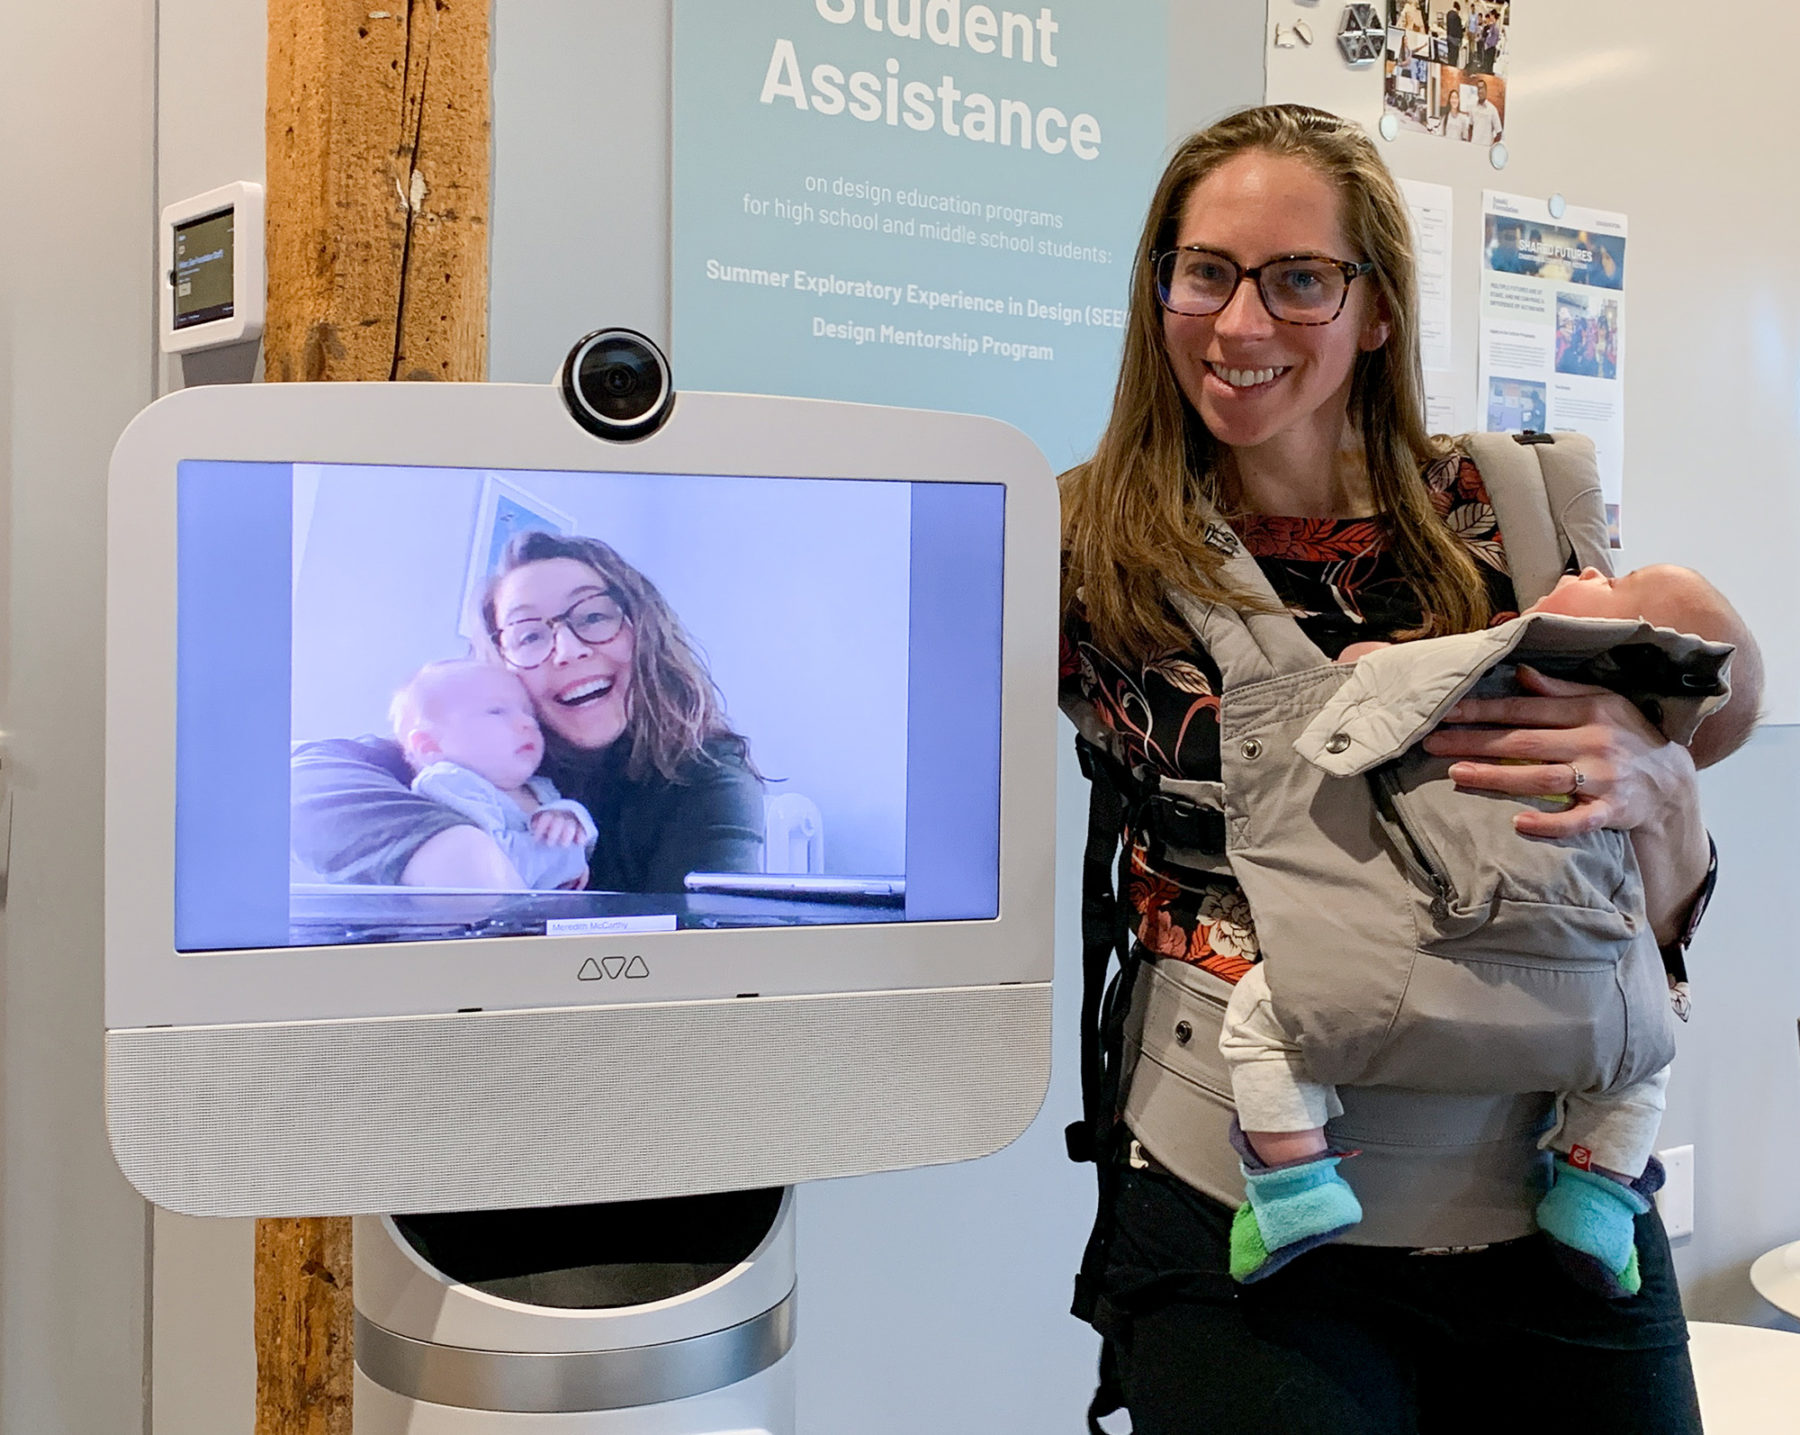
x: 1373, y: 1341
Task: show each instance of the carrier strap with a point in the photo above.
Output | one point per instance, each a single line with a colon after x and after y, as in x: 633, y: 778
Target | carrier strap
x: 1545, y: 489
x: 1249, y: 644
x: 1164, y: 813
x: 1104, y: 938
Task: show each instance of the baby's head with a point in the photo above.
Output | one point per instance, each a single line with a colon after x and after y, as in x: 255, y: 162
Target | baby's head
x: 474, y: 714
x: 1677, y: 598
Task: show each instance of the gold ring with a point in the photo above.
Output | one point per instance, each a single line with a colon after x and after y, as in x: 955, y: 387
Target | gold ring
x: 1579, y: 776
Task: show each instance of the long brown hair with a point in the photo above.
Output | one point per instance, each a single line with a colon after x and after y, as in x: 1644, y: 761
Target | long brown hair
x: 1132, y: 524
x: 675, y: 707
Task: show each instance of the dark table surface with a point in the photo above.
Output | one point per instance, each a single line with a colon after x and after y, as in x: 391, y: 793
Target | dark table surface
x: 333, y: 916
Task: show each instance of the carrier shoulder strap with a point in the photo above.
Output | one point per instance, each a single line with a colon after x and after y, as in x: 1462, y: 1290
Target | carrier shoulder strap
x: 1105, y: 938
x: 1545, y: 489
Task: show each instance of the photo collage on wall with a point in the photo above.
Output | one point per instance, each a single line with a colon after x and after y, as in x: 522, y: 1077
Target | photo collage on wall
x: 1446, y: 65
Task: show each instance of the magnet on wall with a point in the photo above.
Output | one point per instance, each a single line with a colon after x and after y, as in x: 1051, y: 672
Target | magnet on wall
x: 1362, y: 35
x: 1557, y: 206
x: 1497, y: 156
x: 1390, y: 125
x: 1284, y: 37
x: 1303, y: 32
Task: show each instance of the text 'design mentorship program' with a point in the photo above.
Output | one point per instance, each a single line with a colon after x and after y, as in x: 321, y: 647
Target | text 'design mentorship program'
x: 916, y: 202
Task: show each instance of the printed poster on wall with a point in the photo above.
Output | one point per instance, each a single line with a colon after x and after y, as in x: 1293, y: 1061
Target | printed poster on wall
x: 1446, y: 65
x: 917, y: 202
x: 1433, y: 208
x: 1553, y: 327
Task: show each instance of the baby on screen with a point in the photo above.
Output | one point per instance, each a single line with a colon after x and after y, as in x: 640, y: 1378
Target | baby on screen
x: 1297, y: 1199
x: 469, y: 733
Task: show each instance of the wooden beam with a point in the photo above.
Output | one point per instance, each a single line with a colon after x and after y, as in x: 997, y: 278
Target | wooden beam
x: 378, y: 179
x: 304, y: 1325
x: 378, y: 182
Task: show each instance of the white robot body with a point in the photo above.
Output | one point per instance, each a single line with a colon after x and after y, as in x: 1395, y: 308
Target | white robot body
x: 706, y: 1354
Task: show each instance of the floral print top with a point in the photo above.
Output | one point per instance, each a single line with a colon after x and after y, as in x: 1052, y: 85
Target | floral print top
x: 1343, y: 585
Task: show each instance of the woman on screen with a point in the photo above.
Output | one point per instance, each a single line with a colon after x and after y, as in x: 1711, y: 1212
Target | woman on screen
x: 1270, y: 400
x: 634, y: 731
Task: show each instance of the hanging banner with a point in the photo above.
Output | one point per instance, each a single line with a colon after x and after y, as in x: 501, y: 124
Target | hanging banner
x: 1553, y: 327
x: 916, y: 202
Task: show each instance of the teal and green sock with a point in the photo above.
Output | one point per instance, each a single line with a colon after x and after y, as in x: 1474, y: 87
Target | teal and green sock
x: 1591, y: 1221
x: 1292, y: 1208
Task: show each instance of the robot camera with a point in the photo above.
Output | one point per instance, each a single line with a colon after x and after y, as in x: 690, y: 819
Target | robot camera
x: 616, y: 384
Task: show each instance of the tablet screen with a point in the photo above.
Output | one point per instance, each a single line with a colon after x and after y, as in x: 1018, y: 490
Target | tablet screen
x: 443, y: 703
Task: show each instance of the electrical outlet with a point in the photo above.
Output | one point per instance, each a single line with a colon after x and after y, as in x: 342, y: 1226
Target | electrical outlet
x: 1676, y: 1199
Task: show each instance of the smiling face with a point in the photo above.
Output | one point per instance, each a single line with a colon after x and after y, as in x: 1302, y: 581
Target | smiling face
x: 582, y: 691
x: 477, y: 716
x: 1253, y: 380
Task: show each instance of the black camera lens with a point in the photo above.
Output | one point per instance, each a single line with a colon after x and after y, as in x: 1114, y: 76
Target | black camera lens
x: 616, y: 384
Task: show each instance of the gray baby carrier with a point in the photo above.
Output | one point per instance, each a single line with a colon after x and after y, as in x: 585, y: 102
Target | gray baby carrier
x: 1431, y: 961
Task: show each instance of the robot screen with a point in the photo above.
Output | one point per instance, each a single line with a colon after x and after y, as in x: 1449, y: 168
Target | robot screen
x: 434, y: 703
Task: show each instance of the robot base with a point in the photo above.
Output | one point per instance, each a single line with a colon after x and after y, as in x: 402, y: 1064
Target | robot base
x: 670, y: 1317
x: 761, y: 1405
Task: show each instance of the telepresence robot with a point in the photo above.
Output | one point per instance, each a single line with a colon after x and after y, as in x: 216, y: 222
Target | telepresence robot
x: 586, y: 1105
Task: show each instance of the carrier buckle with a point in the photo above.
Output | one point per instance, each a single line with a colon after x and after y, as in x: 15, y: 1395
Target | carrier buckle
x: 1085, y: 755
x: 1168, y: 820
x: 1078, y: 1139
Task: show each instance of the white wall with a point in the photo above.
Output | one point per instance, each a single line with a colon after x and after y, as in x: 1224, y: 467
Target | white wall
x: 75, y: 360
x: 211, y: 77
x: 580, y: 90
x: 1735, y: 1094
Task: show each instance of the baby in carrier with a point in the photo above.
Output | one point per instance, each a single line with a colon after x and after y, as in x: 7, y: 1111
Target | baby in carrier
x: 1604, y: 1137
x: 470, y: 736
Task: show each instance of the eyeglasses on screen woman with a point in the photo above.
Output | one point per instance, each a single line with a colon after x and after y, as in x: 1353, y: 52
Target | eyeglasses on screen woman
x: 592, y: 622
x: 1295, y: 289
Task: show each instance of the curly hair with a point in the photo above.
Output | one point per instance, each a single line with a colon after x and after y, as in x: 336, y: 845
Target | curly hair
x: 1131, y: 515
x: 675, y: 709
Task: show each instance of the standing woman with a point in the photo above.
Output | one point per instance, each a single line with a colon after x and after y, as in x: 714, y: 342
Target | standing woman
x: 1271, y: 374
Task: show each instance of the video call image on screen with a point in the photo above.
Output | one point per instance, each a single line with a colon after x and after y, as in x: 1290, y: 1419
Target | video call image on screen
x: 433, y: 703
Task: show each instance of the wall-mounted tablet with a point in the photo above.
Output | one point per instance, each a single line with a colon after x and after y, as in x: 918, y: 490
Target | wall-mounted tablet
x: 210, y: 251
x: 501, y: 816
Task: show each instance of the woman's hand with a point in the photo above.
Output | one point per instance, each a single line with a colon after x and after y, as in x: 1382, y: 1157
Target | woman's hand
x: 1632, y: 778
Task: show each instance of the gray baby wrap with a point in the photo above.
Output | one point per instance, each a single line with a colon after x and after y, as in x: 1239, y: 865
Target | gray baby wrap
x: 1432, y: 962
